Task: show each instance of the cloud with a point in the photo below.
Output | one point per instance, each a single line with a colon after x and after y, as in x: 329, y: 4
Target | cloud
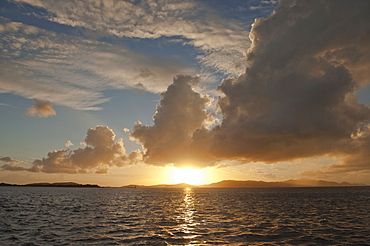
x: 41, y: 108
x: 263, y: 6
x: 179, y: 114
x: 6, y: 105
x: 6, y: 159
x: 68, y: 143
x: 31, y: 56
x: 11, y: 164
x: 13, y: 167
x: 295, y: 100
x: 188, y: 22
x: 355, y: 157
x: 73, y: 71
x: 292, y: 102
x: 100, y: 154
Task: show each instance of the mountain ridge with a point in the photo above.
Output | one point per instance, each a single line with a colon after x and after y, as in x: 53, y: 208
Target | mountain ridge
x: 255, y: 184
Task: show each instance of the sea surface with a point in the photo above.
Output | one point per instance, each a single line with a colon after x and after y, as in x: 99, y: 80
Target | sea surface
x: 196, y: 216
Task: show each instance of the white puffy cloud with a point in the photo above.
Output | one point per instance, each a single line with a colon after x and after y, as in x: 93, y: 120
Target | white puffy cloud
x: 69, y: 144
x: 180, y: 113
x: 100, y: 154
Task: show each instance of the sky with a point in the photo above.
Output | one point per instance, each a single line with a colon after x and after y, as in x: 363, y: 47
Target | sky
x: 167, y: 91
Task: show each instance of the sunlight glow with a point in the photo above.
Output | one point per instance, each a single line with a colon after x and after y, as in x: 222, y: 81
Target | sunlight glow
x: 187, y: 175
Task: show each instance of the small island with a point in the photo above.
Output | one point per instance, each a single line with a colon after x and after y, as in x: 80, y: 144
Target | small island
x: 60, y: 184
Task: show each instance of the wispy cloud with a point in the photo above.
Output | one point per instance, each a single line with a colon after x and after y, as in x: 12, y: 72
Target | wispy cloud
x: 6, y: 105
x: 73, y: 71
x: 189, y: 22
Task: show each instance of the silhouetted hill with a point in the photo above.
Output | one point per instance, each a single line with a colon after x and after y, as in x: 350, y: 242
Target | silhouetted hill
x: 254, y: 184
x: 319, y: 183
x: 60, y: 184
x: 221, y: 184
x: 288, y: 183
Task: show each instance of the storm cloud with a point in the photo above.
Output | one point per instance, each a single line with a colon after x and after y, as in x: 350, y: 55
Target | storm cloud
x: 296, y: 98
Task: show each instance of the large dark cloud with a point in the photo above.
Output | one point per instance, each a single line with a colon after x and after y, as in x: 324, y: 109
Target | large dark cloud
x: 295, y: 100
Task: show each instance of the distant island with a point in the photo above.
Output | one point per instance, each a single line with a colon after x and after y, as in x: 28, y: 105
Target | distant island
x: 288, y: 183
x: 254, y: 184
x: 61, y: 184
x: 221, y: 184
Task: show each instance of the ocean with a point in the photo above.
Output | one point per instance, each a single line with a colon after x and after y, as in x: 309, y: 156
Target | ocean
x: 191, y: 216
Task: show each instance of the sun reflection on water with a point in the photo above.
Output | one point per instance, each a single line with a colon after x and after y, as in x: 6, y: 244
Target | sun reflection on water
x: 185, y: 217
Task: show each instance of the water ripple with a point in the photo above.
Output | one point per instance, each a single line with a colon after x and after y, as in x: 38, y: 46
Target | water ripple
x: 198, y: 216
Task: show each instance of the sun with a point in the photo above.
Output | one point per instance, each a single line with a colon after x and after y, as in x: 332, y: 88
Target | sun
x: 187, y: 175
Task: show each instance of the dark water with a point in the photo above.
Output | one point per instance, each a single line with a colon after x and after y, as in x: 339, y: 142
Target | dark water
x: 122, y: 216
